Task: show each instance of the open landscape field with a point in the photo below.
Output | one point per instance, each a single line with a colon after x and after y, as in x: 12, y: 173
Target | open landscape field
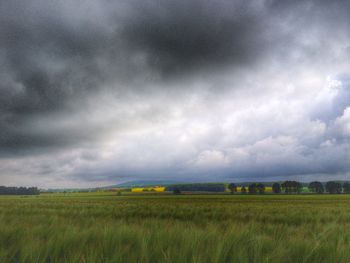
x: 103, y: 227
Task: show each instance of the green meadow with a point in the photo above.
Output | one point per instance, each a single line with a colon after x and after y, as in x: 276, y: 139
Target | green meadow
x: 104, y: 227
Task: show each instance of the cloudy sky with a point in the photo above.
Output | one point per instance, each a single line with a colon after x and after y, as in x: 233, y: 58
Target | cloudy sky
x: 101, y: 92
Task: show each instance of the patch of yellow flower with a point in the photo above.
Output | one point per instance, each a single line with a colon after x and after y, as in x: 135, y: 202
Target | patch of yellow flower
x: 148, y: 189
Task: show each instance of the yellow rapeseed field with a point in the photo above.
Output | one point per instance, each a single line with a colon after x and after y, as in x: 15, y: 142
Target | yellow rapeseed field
x: 148, y: 189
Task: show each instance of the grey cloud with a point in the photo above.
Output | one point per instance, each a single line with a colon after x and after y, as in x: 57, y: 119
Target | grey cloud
x: 333, y: 104
x: 53, y: 57
x: 180, y: 37
x: 81, y: 75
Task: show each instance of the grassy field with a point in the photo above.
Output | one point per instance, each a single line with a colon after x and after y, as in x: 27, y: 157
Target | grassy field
x: 103, y: 227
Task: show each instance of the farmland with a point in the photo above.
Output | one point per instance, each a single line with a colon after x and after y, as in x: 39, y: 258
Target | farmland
x: 104, y: 227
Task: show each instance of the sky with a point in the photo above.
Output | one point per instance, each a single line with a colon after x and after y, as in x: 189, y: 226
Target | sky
x: 94, y: 93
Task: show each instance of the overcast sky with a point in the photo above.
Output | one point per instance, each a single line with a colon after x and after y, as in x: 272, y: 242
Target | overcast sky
x: 100, y: 92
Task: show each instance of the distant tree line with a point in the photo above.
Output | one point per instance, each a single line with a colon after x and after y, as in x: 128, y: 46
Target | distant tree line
x: 287, y: 187
x: 294, y: 187
x: 331, y: 187
x: 19, y: 190
x: 197, y: 187
x: 256, y: 188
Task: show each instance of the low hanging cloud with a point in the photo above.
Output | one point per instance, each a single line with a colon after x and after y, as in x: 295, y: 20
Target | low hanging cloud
x: 94, y: 93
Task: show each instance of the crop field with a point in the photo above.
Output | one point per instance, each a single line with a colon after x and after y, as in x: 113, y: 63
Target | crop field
x: 104, y: 227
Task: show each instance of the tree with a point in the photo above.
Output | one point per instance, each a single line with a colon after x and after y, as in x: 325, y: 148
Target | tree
x: 201, y: 187
x: 276, y: 188
x: 19, y: 190
x: 333, y: 187
x: 243, y: 190
x: 176, y: 191
x: 252, y: 189
x: 291, y: 187
x: 286, y: 187
x: 316, y: 187
x: 232, y: 187
x: 298, y: 187
x: 260, y: 188
x: 346, y: 187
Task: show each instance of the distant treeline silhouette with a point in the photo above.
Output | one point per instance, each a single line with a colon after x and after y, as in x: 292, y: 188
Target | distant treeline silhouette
x: 201, y: 187
x: 294, y: 187
x: 287, y: 187
x: 19, y: 190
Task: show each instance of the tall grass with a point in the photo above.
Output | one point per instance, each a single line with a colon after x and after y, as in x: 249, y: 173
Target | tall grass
x: 106, y: 228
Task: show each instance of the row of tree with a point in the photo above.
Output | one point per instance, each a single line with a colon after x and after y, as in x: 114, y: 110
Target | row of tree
x: 294, y: 187
x: 331, y: 187
x: 19, y: 190
x: 197, y: 187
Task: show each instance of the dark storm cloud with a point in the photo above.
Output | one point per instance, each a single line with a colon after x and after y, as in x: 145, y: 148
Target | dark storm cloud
x: 181, y: 36
x: 52, y: 57
x: 49, y: 64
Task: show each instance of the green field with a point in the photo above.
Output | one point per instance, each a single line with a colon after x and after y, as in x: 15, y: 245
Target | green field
x: 103, y: 227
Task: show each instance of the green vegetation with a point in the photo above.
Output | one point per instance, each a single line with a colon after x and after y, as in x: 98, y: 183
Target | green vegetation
x: 276, y: 188
x: 286, y: 187
x: 232, y: 187
x: 105, y: 227
x: 18, y: 190
x: 316, y: 187
x: 258, y: 188
x: 201, y: 187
